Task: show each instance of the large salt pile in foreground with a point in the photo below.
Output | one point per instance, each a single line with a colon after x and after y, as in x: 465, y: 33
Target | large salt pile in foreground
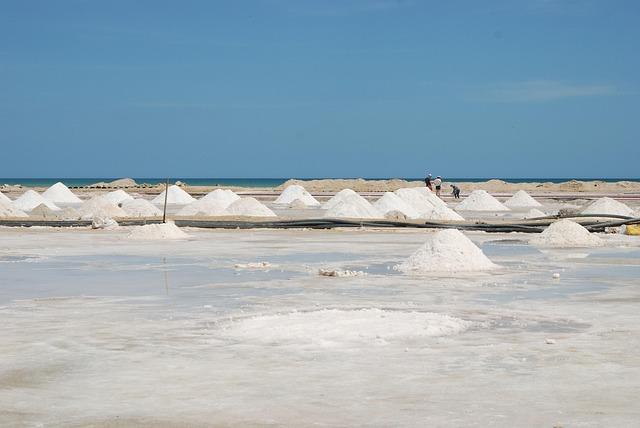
x: 99, y: 207
x: 225, y: 196
x: 205, y: 207
x: 295, y: 191
x: 353, y: 208
x: 427, y: 208
x: 390, y: 202
x: 140, y: 208
x: 249, y: 207
x: 566, y: 233
x: 60, y: 194
x: 608, y: 206
x: 176, y: 196
x: 480, y: 200
x: 166, y: 230
x: 448, y: 250
x: 521, y: 199
x: 8, y: 210
x: 117, y: 196
x: 31, y: 199
x: 5, y: 198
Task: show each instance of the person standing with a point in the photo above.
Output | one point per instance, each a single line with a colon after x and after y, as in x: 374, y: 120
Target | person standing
x: 427, y: 181
x: 438, y: 184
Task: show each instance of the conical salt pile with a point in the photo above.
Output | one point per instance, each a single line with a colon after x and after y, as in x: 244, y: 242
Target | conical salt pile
x: 60, y: 194
x: 117, y: 196
x: 204, y: 207
x: 249, y: 207
x: 430, y: 196
x: 608, y: 206
x: 533, y: 213
x: 427, y: 207
x: 480, y: 200
x: 5, y: 198
x: 353, y: 206
x: 448, y: 250
x: 295, y: 191
x: 31, y: 199
x: 224, y: 196
x: 176, y: 196
x: 342, y: 196
x: 44, y: 212
x: 99, y: 207
x: 566, y: 234
x: 8, y: 210
x: 390, y: 202
x: 521, y: 199
x: 140, y: 208
x: 166, y: 230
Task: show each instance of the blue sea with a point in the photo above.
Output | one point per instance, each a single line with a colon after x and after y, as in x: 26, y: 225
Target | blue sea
x: 261, y: 182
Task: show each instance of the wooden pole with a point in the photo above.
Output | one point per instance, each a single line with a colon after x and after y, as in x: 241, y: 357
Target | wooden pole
x: 166, y: 195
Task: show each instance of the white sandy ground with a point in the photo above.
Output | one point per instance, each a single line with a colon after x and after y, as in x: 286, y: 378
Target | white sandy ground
x: 103, y: 331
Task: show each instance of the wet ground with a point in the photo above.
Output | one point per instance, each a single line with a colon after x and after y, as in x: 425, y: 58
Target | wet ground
x: 99, y: 330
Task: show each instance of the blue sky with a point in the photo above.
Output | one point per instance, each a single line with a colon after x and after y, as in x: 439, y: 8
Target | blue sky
x: 302, y: 88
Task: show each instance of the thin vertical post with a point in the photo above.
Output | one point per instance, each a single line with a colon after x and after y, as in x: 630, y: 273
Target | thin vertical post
x: 166, y: 195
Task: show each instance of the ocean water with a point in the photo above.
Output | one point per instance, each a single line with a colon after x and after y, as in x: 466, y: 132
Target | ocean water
x: 260, y: 182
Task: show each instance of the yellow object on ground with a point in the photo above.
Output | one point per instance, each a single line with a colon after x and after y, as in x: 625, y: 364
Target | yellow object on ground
x: 633, y: 229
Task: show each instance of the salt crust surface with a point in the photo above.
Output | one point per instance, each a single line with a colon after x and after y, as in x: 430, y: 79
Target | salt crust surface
x: 224, y: 196
x: 99, y: 207
x: 353, y: 206
x: 205, y: 207
x: 31, y: 199
x: 249, y: 207
x: 293, y: 192
x: 608, y: 206
x: 176, y: 196
x: 566, y: 234
x: 521, y: 199
x: 117, y: 196
x: 447, y: 250
x: 159, y: 231
x: 140, y: 208
x: 339, y: 327
x: 480, y: 200
x: 7, y: 209
x: 60, y: 194
x: 391, y: 202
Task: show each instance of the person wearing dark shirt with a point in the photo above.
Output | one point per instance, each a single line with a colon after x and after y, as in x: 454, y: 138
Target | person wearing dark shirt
x: 427, y: 181
x: 456, y: 191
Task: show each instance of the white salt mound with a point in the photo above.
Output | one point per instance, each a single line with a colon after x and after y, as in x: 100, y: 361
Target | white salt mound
x: 341, y: 196
x: 45, y: 213
x: 176, y: 196
x: 521, y: 199
x: 117, y: 196
x: 340, y: 327
x: 533, y: 213
x: 60, y: 194
x: 294, y: 192
x: 353, y: 206
x: 390, y: 202
x: 140, y: 208
x: 249, y: 207
x: 167, y: 230
x: 225, y: 196
x: 205, y: 207
x: 566, y: 234
x: 480, y: 200
x: 5, y: 198
x: 447, y: 250
x: 424, y: 202
x: 608, y: 206
x: 31, y: 199
x: 99, y: 207
x: 104, y: 223
x: 8, y: 210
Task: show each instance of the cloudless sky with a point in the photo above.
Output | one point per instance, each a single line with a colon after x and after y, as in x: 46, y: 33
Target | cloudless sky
x: 326, y: 88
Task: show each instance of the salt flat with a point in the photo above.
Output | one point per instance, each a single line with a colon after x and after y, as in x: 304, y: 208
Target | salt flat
x: 101, y: 330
